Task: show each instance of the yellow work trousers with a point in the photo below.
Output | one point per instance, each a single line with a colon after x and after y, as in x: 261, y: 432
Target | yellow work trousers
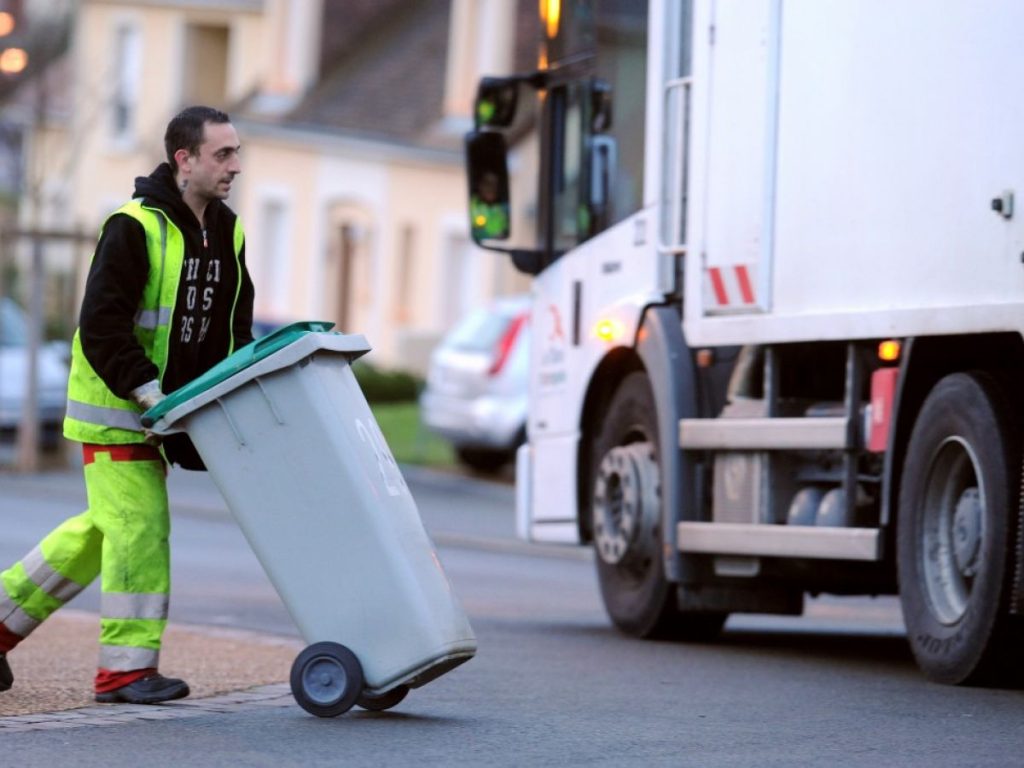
x: 123, y: 537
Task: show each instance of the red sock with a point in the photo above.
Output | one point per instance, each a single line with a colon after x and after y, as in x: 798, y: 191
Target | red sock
x: 110, y: 680
x: 8, y: 639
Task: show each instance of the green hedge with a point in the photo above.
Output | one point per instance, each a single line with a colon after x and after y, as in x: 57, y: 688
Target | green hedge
x: 386, y: 386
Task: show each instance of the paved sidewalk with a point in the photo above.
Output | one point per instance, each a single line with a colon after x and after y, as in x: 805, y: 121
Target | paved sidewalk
x: 278, y: 695
x: 226, y: 670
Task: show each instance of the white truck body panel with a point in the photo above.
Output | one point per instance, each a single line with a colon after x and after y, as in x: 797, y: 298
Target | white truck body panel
x: 621, y: 279
x: 845, y: 155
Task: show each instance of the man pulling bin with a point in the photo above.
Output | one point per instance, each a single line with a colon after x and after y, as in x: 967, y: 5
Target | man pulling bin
x: 167, y: 297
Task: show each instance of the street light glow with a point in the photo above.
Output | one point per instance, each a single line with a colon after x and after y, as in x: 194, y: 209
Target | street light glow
x: 6, y: 23
x: 551, y: 13
x: 13, y: 61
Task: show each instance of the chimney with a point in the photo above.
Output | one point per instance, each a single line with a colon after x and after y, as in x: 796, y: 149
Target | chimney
x: 481, y: 41
x: 293, y: 40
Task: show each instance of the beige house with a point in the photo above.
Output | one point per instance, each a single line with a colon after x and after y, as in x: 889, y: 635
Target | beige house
x: 351, y: 115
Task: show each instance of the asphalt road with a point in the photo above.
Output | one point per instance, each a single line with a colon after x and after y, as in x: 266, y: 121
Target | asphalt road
x: 552, y: 683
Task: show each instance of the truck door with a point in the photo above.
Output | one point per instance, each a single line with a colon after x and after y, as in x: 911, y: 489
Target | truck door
x: 735, y: 120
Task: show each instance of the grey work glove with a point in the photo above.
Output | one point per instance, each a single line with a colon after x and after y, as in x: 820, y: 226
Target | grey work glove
x: 146, y: 397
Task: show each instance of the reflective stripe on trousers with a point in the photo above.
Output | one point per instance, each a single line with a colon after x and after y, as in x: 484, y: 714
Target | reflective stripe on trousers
x: 123, y: 537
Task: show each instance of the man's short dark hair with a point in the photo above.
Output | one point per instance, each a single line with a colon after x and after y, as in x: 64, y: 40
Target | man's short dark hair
x: 185, y: 131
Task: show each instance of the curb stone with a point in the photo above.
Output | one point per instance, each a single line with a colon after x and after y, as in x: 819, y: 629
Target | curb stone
x: 260, y: 697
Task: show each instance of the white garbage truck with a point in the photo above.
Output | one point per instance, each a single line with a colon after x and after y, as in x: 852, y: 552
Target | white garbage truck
x: 778, y: 307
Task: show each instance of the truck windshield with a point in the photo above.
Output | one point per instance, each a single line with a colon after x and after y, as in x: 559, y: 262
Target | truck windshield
x: 596, y: 171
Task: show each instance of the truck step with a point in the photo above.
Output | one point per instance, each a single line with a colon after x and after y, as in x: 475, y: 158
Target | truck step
x: 765, y: 434
x: 804, y: 541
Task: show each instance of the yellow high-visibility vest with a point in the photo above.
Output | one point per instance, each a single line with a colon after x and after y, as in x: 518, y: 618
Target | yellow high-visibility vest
x: 94, y: 413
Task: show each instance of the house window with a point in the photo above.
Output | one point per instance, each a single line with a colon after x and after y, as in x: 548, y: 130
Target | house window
x: 348, y: 279
x: 404, y: 276
x: 127, y: 65
x: 347, y: 294
x: 273, y: 263
x: 205, y: 70
x: 460, y: 287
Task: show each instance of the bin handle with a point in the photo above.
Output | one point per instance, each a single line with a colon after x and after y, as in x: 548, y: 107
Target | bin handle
x: 250, y: 354
x: 313, y: 326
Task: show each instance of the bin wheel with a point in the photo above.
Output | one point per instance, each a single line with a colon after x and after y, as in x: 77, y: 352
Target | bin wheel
x: 381, y: 701
x: 326, y: 679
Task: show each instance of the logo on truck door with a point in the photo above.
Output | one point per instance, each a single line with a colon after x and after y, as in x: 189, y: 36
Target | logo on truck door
x: 552, y: 361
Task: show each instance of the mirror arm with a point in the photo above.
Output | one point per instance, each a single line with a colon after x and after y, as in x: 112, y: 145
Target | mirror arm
x: 528, y: 261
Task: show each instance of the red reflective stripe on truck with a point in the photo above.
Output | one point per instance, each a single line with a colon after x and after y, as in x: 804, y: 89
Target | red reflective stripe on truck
x: 718, y: 285
x: 746, y: 289
x: 732, y: 286
x: 883, y: 395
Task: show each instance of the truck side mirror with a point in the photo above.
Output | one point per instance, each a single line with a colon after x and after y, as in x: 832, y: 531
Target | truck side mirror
x: 487, y: 165
x: 496, y: 99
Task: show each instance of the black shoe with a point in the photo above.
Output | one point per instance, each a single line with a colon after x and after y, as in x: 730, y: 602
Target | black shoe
x: 6, y: 678
x: 148, y: 690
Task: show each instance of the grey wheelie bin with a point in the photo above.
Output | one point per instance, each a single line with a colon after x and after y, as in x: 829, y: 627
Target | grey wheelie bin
x: 288, y: 438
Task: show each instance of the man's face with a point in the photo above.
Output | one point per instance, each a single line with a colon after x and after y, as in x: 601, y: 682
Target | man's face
x: 212, y: 169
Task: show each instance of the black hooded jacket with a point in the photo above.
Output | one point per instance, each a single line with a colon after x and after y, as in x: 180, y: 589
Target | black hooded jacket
x: 199, y: 335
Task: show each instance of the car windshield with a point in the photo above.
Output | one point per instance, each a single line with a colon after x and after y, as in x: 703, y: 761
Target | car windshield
x: 13, y: 332
x: 479, y: 331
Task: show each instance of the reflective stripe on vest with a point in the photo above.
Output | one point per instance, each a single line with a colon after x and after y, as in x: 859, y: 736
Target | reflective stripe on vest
x: 151, y: 318
x: 108, y: 417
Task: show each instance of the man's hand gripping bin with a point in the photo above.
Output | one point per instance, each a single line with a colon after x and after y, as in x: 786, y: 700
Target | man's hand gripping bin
x: 289, y: 439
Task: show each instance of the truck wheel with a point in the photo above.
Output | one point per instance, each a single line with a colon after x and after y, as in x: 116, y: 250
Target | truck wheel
x: 626, y: 518
x: 326, y: 679
x: 957, y: 508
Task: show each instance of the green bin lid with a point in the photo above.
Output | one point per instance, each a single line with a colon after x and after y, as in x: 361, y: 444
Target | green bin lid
x: 248, y: 355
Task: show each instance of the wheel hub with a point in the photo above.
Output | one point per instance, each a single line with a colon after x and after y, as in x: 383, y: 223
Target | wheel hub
x: 952, y: 529
x: 627, y: 504
x: 325, y: 680
x: 967, y: 531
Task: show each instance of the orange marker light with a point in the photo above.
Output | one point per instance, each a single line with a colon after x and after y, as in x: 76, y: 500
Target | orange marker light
x: 889, y: 350
x: 13, y: 61
x: 608, y: 330
x: 551, y: 14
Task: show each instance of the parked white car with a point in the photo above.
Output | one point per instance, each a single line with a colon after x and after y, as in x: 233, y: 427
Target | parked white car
x: 476, y: 391
x: 52, y: 376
